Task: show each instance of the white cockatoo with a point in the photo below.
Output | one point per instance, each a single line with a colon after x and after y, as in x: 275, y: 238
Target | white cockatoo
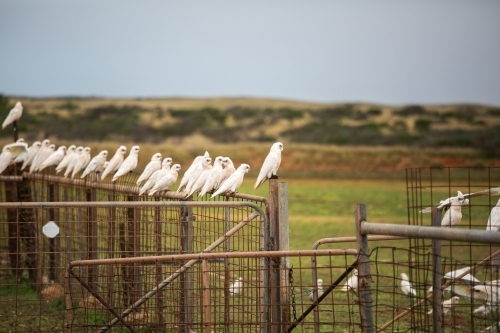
x: 72, y: 162
x: 187, y: 175
x: 96, y: 164
x: 448, y: 305
x: 64, y: 163
x: 14, y: 114
x: 461, y: 286
x: 228, y: 170
x: 484, y: 310
x: 157, y: 175
x: 494, y: 219
x: 351, y: 283
x: 42, y: 154
x: 82, y: 162
x: 5, y: 158
x: 453, y: 215
x: 152, y: 166
x: 406, y: 286
x: 164, y: 183
x: 488, y: 291
x: 236, y: 288
x: 54, y: 159
x: 32, y: 151
x: 234, y: 181
x: 129, y: 164
x: 270, y: 165
x: 320, y: 290
x: 214, y: 177
x: 18, y: 151
x: 202, y: 178
x: 114, y: 162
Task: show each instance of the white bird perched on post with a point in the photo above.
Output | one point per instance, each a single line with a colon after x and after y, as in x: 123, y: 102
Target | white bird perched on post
x: 18, y: 150
x: 32, y: 151
x: 166, y: 181
x: 14, y: 114
x: 114, y: 162
x: 45, y: 150
x: 152, y: 166
x: 5, y: 158
x: 351, y: 283
x: 67, y: 157
x: 236, y: 288
x: 234, y: 181
x: 187, y: 175
x: 320, y: 290
x: 270, y: 165
x: 406, y: 286
x: 82, y: 162
x: 129, y: 164
x: 206, y: 163
x: 157, y: 175
x: 494, y: 219
x: 214, y: 177
x: 448, y: 305
x: 228, y: 170
x: 96, y: 164
x: 54, y: 159
x: 72, y: 162
x: 453, y: 215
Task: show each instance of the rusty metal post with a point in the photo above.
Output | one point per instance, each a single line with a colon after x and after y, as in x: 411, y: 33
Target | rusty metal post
x: 227, y: 271
x: 159, y: 295
x: 364, y: 277
x: 285, y: 262
x: 187, y: 278
x: 52, y: 241
x: 274, y: 278
x: 91, y: 235
x: 437, y: 311
x: 111, y: 211
x: 206, y: 296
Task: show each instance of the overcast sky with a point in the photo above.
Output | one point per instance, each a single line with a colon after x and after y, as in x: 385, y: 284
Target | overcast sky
x: 390, y: 52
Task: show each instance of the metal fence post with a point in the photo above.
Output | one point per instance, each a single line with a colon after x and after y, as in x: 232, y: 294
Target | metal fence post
x: 285, y: 262
x: 436, y: 276
x: 187, y: 278
x: 364, y: 277
x: 274, y: 280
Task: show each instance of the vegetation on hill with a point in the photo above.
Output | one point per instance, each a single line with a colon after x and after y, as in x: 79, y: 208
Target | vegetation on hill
x: 154, y: 121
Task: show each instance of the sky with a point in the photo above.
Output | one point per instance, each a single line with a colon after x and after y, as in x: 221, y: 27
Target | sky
x: 388, y: 52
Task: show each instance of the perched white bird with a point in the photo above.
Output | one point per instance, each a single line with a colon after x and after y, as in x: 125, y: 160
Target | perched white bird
x: 406, y: 286
x: 15, y: 113
x: 72, y: 162
x: 453, y: 215
x: 129, y: 164
x: 166, y: 181
x: 214, y: 177
x: 32, y: 151
x: 228, y: 170
x: 157, y: 175
x: 43, y: 153
x: 96, y: 164
x: 54, y: 158
x: 152, y: 166
x: 82, y: 162
x: 320, y: 290
x: 64, y: 163
x: 114, y: 162
x: 187, y: 175
x: 270, y: 165
x: 448, y: 305
x: 234, y: 181
x: 494, y: 219
x: 5, y: 158
x: 18, y: 150
x: 351, y: 283
x: 236, y: 288
x: 202, y: 178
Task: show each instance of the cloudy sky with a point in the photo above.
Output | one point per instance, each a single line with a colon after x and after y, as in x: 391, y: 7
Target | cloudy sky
x: 390, y: 52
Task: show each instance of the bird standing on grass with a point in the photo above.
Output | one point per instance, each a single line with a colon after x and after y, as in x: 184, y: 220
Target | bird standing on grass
x: 351, y: 283
x: 129, y: 164
x: 270, y: 165
x: 448, y: 305
x: 233, y: 182
x: 114, y: 162
x: 494, y: 219
x: 151, y: 167
x: 320, y: 290
x: 236, y: 288
x: 14, y: 114
x: 406, y: 286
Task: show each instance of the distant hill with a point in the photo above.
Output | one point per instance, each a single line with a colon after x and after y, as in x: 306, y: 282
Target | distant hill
x: 247, y: 120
